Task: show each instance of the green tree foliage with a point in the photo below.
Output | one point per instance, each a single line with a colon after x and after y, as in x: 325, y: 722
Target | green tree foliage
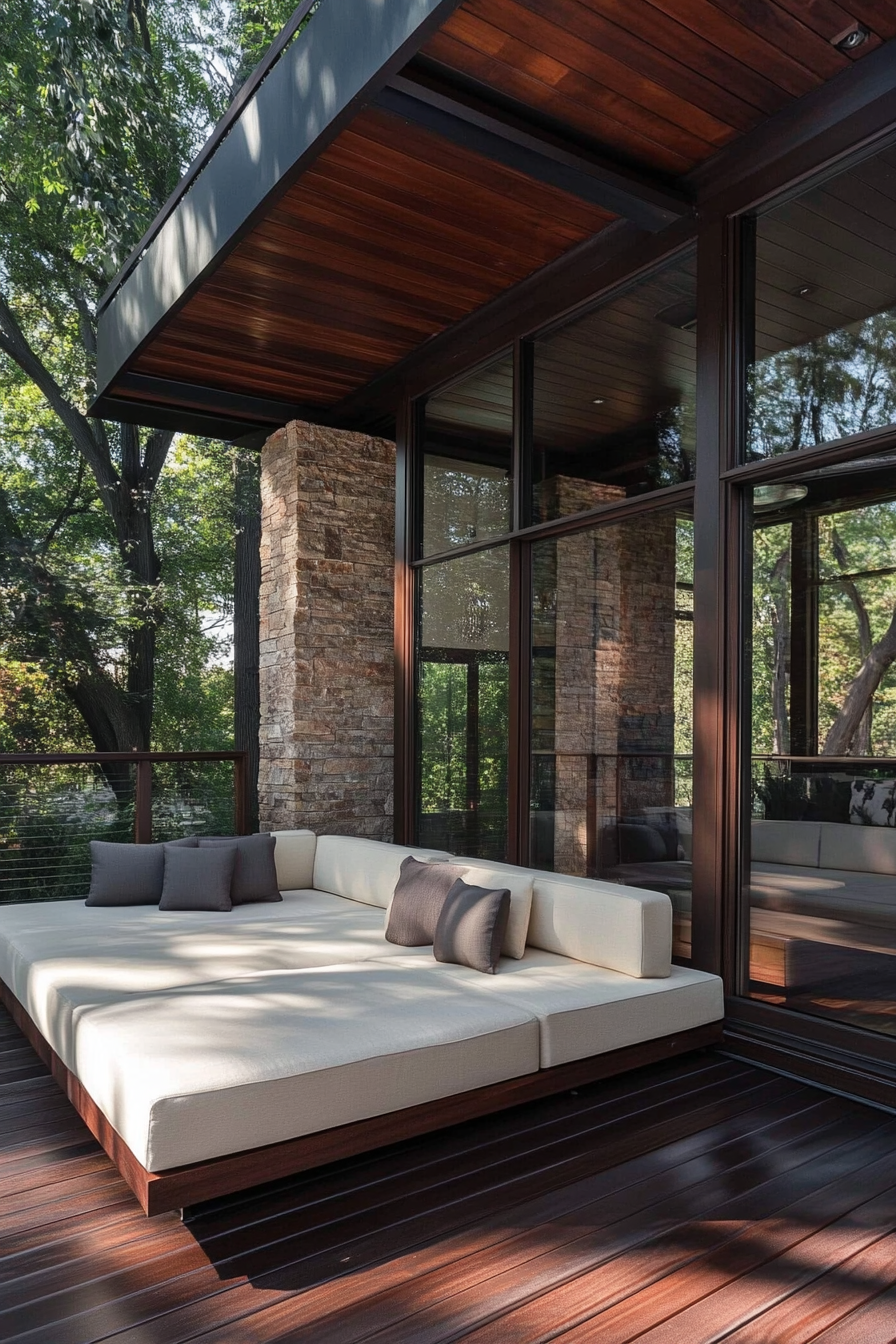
x: 110, y: 551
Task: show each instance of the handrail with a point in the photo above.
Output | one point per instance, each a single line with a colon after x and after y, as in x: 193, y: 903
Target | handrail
x: 210, y: 147
x: 97, y: 757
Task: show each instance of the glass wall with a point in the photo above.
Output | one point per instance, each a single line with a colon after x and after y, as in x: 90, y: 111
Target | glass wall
x: 821, y: 884
x: 614, y: 394
x: 612, y: 705
x: 462, y: 693
x: 467, y: 452
x: 824, y: 317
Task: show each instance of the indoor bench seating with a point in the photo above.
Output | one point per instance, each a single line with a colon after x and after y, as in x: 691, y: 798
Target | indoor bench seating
x: 210, y: 1051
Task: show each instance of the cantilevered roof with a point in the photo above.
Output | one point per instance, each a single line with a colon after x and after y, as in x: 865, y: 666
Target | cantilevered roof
x: 401, y: 163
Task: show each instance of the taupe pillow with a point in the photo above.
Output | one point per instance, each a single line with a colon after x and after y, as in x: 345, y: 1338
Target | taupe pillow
x: 419, y: 895
x: 128, y: 874
x: 254, y: 873
x: 198, y: 879
x: 471, y: 927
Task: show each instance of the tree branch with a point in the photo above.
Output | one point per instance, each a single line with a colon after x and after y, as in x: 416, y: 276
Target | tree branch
x: 154, y: 454
x: 15, y: 344
x: 67, y: 511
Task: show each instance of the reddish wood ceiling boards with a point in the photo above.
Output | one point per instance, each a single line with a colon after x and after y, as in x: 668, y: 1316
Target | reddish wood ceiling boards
x: 390, y: 237
x: 663, y: 82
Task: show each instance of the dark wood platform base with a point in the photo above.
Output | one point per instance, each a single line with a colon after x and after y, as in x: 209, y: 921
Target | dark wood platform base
x: 160, y: 1191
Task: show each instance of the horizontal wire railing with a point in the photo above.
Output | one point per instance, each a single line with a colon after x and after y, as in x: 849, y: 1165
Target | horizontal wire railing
x: 53, y: 806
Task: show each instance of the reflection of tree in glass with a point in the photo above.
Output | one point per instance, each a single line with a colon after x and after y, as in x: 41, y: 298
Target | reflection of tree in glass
x: 463, y: 503
x: 840, y: 384
x: 675, y: 443
x: 856, y: 634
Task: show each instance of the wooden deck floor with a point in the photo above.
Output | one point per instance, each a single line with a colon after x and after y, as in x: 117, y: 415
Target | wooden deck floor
x: 695, y: 1201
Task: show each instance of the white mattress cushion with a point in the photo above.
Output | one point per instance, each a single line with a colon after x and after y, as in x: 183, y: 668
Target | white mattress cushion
x: 55, y: 956
x: 587, y: 1010
x: 785, y: 842
x: 193, y: 1073
x: 362, y: 870
x: 862, y: 849
x: 828, y: 893
x: 294, y: 859
x: 625, y: 929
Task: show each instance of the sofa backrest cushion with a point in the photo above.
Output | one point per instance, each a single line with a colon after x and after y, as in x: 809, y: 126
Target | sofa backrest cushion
x: 294, y: 859
x: 795, y: 842
x: 859, y: 849
x: 622, y: 928
x: 362, y: 870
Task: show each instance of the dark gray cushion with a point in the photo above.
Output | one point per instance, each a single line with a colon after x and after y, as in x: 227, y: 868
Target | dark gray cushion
x: 419, y: 895
x: 198, y: 879
x: 127, y: 874
x: 471, y: 926
x: 254, y: 873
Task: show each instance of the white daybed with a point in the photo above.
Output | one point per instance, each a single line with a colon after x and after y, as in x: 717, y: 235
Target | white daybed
x: 211, y: 1051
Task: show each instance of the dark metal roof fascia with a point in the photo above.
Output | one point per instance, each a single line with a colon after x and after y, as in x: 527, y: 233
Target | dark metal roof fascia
x: 348, y: 51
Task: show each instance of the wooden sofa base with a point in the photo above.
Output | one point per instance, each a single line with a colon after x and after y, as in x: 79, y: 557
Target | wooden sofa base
x: 179, y: 1187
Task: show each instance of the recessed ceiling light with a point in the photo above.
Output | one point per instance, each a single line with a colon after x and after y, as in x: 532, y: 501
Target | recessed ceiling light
x: 851, y: 38
x: 597, y: 401
x: 801, y: 291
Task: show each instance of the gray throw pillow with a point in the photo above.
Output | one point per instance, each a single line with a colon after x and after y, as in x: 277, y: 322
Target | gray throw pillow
x: 198, y: 879
x: 254, y: 873
x: 471, y: 927
x: 128, y: 874
x: 419, y: 895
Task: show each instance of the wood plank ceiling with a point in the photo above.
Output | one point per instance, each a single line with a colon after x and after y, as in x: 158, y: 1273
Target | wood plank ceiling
x: 392, y: 236
x: 395, y: 233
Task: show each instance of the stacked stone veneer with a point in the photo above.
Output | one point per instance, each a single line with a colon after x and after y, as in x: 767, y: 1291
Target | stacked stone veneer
x: 326, y: 631
x: 609, y: 688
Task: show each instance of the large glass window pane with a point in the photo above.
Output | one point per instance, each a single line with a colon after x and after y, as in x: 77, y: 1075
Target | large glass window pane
x: 613, y: 410
x: 821, y: 880
x: 463, y: 639
x: 467, y: 452
x: 612, y: 692
x: 824, y: 365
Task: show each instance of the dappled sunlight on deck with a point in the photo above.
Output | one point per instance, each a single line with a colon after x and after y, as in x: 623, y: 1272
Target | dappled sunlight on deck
x: 695, y: 1200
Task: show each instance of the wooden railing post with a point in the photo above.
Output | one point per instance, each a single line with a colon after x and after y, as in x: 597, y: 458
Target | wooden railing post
x: 143, y: 804
x: 240, y: 794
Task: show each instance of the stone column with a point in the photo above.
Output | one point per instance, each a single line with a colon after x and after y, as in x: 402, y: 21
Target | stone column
x: 326, y: 631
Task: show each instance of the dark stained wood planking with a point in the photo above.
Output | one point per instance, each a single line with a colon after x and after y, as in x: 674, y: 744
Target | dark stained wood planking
x: 696, y: 1199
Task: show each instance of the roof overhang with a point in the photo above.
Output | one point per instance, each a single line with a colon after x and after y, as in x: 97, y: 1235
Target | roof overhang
x: 365, y: 196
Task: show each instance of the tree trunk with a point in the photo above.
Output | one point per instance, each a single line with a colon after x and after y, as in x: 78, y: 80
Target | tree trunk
x: 860, y: 693
x: 246, y: 586
x: 861, y: 743
x: 780, y: 589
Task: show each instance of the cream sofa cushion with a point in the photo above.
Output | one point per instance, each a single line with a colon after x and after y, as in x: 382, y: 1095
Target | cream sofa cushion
x: 587, y: 1010
x: 861, y: 849
x: 825, y: 893
x: 362, y: 870
x: 622, y: 928
x: 194, y: 1073
x: 294, y: 859
x: 786, y: 842
x: 56, y: 956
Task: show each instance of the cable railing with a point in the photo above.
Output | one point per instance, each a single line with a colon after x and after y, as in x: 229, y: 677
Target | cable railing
x: 53, y: 805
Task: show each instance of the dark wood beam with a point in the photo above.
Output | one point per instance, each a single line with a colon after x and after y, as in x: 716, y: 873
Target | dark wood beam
x: 516, y: 144
x: 145, y: 393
